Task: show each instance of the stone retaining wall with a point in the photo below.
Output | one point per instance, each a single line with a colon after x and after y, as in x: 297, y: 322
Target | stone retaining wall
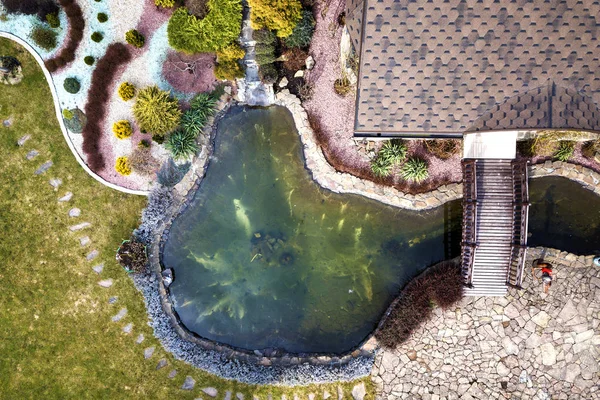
x: 588, y: 178
x: 325, y: 175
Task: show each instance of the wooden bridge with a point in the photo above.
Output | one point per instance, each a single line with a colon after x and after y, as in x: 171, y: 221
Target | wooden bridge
x: 495, y: 216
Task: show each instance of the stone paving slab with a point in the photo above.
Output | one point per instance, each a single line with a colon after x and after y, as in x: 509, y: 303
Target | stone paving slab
x: 526, y: 345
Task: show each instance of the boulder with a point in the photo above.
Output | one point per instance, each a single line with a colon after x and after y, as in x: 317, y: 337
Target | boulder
x: 11, y: 72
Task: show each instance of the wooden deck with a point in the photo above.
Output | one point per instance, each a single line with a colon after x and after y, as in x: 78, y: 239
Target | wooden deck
x: 495, y: 214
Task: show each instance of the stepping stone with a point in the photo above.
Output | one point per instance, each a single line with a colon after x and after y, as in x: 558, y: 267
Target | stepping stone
x: 7, y: 123
x: 74, y: 212
x: 106, y: 283
x: 139, y: 339
x: 359, y: 391
x: 98, y: 269
x: 113, y: 300
x: 211, y: 391
x: 326, y: 395
x: 189, y: 383
x: 80, y: 226
x: 84, y: 241
x: 55, y: 183
x: 239, y: 396
x: 32, y: 154
x: 120, y: 315
x: 311, y: 396
x: 228, y: 395
x: 148, y: 352
x: 66, y: 197
x: 128, y: 328
x: 23, y: 139
x: 172, y: 374
x: 92, y: 254
x: 43, y: 168
x: 161, y: 364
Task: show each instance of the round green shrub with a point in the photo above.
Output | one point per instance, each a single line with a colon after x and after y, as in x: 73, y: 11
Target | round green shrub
x: 53, y: 20
x: 134, y: 38
x: 89, y: 60
x: 102, y: 17
x: 72, y: 85
x: 97, y: 37
x: 44, y: 37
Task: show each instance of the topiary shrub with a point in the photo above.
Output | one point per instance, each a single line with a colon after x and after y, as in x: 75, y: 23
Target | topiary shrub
x: 43, y: 37
x: 122, y: 166
x: 142, y: 161
x: 126, y: 91
x: 165, y: 3
x: 565, y: 150
x: 53, y: 20
x: 102, y: 17
x: 67, y: 114
x: 182, y: 144
x: 72, y: 85
x: 156, y: 111
x: 132, y: 256
x: 135, y: 38
x: 122, y: 129
x: 89, y: 60
x: 415, y: 170
x: 302, y: 32
x: 221, y: 27
x: 77, y: 120
x: 97, y: 37
x: 280, y: 16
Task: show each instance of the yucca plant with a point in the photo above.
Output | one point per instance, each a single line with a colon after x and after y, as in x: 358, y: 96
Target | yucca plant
x: 204, y: 103
x: 156, y: 111
x: 394, y: 151
x: 182, y: 144
x: 565, y: 150
x: 381, y: 166
x: 193, y: 121
x: 415, y: 170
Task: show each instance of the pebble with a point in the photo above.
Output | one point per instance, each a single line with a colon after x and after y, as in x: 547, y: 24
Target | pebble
x: 43, y: 168
x: 148, y: 352
x: 172, y: 374
x: 113, y: 300
x: 74, y: 212
x: 80, y: 226
x: 120, y: 315
x: 66, y: 197
x: 106, y: 283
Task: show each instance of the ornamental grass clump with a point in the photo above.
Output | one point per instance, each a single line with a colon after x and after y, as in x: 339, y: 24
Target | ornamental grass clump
x: 182, y: 144
x: 565, y: 150
x: 381, y: 167
x: 590, y: 148
x: 142, y: 161
x: 126, y: 91
x: 122, y: 129
x: 156, y: 111
x: 415, y: 170
x: 394, y: 150
x: 135, y: 38
x: 122, y: 166
x: 443, y: 148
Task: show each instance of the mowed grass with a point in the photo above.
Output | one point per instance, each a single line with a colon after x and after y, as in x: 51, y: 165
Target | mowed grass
x: 57, y: 340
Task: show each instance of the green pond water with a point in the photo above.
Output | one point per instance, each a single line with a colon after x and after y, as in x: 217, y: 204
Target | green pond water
x: 564, y: 215
x: 266, y: 258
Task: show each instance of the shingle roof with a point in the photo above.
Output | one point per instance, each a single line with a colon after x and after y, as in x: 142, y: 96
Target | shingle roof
x: 435, y: 67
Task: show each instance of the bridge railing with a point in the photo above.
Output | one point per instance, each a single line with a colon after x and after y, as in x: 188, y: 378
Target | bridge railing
x: 469, y: 228
x: 520, y: 224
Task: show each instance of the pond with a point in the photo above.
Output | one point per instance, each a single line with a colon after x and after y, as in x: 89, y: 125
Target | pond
x: 564, y: 215
x: 266, y: 258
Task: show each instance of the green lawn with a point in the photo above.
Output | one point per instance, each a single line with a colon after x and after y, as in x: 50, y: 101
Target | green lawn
x: 57, y: 337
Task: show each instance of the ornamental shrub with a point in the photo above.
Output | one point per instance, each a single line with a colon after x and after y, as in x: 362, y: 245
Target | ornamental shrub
x: 122, y: 129
x: 156, y: 111
x: 302, y: 32
x: 565, y: 150
x: 53, y: 20
x: 202, y: 107
x: 142, y: 161
x: 102, y: 17
x: 415, y: 170
x: 126, y: 91
x: 122, y: 166
x: 221, y: 27
x: 443, y: 148
x: 165, y: 3
x: 182, y: 144
x: 228, y: 66
x: 590, y: 148
x: 67, y: 114
x: 44, y: 37
x: 135, y: 38
x: 89, y: 60
x: 76, y: 27
x: 72, y: 85
x: 280, y: 16
x: 97, y: 37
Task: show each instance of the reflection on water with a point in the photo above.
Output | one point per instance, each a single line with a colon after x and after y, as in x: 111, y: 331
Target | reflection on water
x: 564, y: 215
x: 265, y: 258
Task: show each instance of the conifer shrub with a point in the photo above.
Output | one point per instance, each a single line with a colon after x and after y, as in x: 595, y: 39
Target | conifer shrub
x: 302, y: 32
x: 76, y: 27
x: 89, y: 60
x: 156, y: 111
x: 135, y: 38
x: 126, y: 91
x: 43, y: 37
x: 72, y: 85
x: 53, y: 20
x: 122, y: 129
x: 165, y: 3
x: 67, y: 114
x: 228, y: 66
x: 221, y: 27
x: 97, y: 37
x: 280, y: 16
x: 122, y: 166
x: 102, y: 17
